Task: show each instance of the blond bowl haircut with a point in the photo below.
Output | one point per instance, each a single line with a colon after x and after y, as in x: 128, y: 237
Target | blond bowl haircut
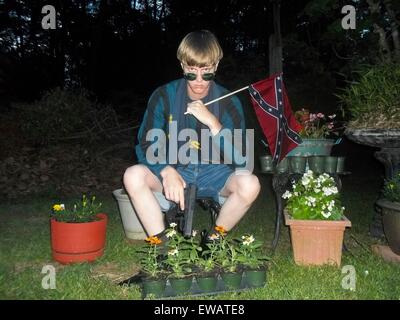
x: 199, y: 49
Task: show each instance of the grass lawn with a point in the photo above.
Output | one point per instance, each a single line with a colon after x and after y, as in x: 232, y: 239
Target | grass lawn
x: 25, y: 249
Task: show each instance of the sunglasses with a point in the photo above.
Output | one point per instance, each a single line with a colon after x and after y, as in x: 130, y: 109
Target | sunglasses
x: 193, y: 76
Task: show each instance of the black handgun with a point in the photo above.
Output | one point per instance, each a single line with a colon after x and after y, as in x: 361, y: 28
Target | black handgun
x: 184, y: 218
x: 190, y: 202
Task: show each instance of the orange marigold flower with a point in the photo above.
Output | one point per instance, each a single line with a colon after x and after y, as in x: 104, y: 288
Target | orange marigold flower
x: 220, y: 230
x: 153, y: 240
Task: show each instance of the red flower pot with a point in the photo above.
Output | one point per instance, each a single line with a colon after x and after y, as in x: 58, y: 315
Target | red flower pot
x: 78, y: 242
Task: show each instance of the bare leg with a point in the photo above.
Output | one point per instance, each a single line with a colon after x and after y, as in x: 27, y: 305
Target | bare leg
x: 140, y: 183
x: 241, y: 191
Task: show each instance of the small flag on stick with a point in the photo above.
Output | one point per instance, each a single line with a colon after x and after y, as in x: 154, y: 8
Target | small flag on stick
x: 274, y: 113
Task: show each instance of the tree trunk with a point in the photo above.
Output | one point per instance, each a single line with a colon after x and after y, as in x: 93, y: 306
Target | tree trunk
x: 275, y: 42
x: 394, y: 24
x: 383, y: 44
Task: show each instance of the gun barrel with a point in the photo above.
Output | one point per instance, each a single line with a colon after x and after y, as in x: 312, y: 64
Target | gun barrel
x: 190, y: 201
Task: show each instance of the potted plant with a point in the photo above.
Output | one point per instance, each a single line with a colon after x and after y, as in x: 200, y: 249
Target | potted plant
x: 153, y: 279
x: 317, y: 130
x: 78, y: 234
x: 179, y: 260
x: 252, y: 258
x: 373, y: 105
x: 390, y: 204
x: 316, y: 220
x: 207, y: 265
x: 226, y: 256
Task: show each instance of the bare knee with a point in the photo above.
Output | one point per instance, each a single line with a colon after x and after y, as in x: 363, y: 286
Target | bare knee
x: 248, y: 188
x: 134, y: 177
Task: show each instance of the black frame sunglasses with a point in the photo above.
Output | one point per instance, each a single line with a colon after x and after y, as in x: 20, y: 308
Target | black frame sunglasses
x: 193, y: 76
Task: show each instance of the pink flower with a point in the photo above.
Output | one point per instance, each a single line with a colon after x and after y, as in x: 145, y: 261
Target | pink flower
x: 320, y: 115
x: 313, y: 116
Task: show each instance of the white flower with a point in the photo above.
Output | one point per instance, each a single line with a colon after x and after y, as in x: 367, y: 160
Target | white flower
x: 286, y: 195
x: 171, y: 233
x: 329, y: 190
x: 173, y: 252
x: 62, y: 206
x: 173, y: 225
x: 247, y: 240
x: 326, y: 214
x: 312, y: 199
x: 214, y: 236
x: 305, y: 181
x: 194, y: 233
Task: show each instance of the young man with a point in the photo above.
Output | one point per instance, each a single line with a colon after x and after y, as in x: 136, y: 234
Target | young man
x: 181, y: 103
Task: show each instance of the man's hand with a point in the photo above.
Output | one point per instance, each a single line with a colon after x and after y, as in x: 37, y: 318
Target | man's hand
x: 174, y: 186
x: 201, y: 113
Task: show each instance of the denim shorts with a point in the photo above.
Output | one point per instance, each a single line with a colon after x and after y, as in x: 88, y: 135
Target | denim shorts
x: 210, y: 179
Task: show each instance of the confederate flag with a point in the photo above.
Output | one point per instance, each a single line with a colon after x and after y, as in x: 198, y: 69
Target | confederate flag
x: 274, y: 114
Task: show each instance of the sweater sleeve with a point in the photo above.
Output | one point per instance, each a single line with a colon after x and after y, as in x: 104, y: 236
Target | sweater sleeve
x: 151, y: 148
x: 232, y: 143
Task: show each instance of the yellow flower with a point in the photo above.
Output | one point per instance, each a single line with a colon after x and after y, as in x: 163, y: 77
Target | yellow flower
x: 58, y: 207
x: 195, y: 144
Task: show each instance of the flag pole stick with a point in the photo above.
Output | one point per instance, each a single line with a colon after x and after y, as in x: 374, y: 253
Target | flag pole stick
x: 225, y: 96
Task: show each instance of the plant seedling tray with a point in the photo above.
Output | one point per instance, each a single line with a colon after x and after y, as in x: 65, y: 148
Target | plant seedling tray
x: 195, y: 290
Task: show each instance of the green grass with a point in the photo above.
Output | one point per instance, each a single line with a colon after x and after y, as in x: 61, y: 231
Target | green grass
x: 25, y: 249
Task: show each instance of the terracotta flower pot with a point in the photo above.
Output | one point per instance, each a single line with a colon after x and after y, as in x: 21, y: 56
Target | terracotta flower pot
x: 317, y: 242
x: 78, y: 242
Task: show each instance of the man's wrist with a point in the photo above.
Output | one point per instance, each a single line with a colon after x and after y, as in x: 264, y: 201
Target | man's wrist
x: 165, y: 171
x: 215, y: 127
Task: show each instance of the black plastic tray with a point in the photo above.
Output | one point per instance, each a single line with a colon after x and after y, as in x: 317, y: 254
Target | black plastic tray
x: 169, y: 292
